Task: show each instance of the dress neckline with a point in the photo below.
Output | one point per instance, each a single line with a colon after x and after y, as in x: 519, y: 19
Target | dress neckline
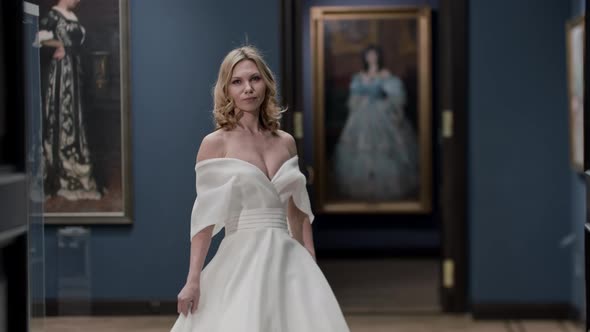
x: 69, y: 16
x: 268, y: 178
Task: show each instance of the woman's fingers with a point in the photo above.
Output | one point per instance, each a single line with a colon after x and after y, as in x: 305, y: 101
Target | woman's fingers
x: 194, y: 305
x: 182, y: 306
x: 188, y: 300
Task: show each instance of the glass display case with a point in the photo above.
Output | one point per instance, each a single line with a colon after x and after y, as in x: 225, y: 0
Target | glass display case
x: 34, y: 168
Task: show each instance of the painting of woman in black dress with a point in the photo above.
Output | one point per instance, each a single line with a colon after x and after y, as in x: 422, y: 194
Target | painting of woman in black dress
x: 68, y: 168
x: 83, y: 109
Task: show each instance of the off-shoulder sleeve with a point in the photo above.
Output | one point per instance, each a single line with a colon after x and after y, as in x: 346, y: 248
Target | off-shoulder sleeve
x: 292, y: 183
x: 394, y: 88
x: 301, y: 198
x: 214, y: 196
x: 46, y: 28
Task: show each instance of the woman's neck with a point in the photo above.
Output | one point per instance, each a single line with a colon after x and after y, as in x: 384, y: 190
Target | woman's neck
x: 62, y: 6
x: 250, y: 123
x: 372, y: 70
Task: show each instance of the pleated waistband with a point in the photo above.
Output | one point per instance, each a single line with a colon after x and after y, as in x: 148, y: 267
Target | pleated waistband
x: 257, y: 218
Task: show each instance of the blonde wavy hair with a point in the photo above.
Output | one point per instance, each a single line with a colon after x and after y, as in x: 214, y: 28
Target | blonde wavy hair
x: 224, y: 110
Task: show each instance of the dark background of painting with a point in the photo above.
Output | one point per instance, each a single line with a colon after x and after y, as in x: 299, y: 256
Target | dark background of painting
x: 102, y: 106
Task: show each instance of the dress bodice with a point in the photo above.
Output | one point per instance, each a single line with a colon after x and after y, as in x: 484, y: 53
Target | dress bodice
x: 372, y: 88
x: 230, y: 187
x: 58, y: 25
x: 378, y: 88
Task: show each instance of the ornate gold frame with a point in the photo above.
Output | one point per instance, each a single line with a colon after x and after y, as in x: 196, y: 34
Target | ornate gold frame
x: 423, y: 16
x: 571, y: 25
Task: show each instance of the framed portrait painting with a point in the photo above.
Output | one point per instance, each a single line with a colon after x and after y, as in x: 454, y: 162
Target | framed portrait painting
x: 575, y: 64
x: 86, y: 149
x: 372, y: 109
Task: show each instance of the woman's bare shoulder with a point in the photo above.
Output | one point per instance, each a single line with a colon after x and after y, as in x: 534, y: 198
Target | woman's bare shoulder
x: 385, y: 73
x: 288, y: 141
x: 212, y: 146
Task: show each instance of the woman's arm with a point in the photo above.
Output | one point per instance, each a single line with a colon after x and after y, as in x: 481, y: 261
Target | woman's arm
x: 308, y: 237
x: 188, y: 298
x: 355, y: 99
x: 60, y: 51
x: 47, y: 31
x: 52, y: 43
x: 212, y: 146
x: 300, y: 227
x: 298, y: 221
x: 199, y: 247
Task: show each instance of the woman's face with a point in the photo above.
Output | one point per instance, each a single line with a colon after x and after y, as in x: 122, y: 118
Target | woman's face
x: 371, y: 57
x: 72, y: 4
x: 246, y: 86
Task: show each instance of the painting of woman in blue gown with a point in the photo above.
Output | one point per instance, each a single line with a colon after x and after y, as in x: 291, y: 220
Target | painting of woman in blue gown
x: 372, y: 107
x: 376, y: 155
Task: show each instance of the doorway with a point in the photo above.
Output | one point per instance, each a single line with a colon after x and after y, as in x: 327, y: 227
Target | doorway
x: 445, y: 263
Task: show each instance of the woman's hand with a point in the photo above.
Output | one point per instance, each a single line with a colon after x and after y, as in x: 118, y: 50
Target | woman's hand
x: 59, y: 53
x: 188, y: 298
x: 312, y: 253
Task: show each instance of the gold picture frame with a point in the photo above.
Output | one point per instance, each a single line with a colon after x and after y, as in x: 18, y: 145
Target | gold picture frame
x: 105, y: 58
x: 405, y: 31
x: 575, y: 31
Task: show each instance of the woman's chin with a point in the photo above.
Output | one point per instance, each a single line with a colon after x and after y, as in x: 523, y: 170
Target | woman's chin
x: 249, y: 108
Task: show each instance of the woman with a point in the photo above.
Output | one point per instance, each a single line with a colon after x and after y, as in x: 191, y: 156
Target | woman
x: 67, y: 165
x: 263, y: 277
x: 376, y: 156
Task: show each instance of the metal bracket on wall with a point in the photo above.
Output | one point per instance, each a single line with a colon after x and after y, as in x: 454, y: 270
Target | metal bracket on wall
x: 448, y: 273
x: 310, y: 175
x: 447, y: 123
x: 298, y: 125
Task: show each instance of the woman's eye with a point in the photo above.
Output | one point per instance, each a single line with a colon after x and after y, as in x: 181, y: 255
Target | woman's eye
x: 235, y: 82
x: 256, y: 78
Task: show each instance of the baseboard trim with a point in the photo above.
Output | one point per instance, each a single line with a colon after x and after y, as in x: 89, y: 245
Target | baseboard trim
x: 481, y: 311
x: 55, y: 307
x: 558, y: 311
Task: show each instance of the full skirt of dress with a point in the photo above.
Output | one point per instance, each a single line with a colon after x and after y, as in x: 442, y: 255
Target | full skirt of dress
x: 263, y: 280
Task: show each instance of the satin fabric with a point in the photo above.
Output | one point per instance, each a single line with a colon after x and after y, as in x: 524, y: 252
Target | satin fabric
x: 261, y: 279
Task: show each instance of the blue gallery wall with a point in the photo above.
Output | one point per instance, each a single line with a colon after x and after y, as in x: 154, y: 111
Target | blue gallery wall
x: 525, y: 200
x: 176, y: 49
x: 520, y: 179
x: 578, y: 206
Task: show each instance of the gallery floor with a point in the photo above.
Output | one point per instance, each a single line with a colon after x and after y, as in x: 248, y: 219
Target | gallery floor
x: 377, y: 295
x: 357, y: 323
x: 384, y: 286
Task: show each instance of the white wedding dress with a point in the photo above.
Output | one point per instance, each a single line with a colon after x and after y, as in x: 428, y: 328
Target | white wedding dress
x: 261, y: 279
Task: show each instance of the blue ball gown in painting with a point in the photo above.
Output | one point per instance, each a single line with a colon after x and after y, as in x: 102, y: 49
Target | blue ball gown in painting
x: 376, y: 155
